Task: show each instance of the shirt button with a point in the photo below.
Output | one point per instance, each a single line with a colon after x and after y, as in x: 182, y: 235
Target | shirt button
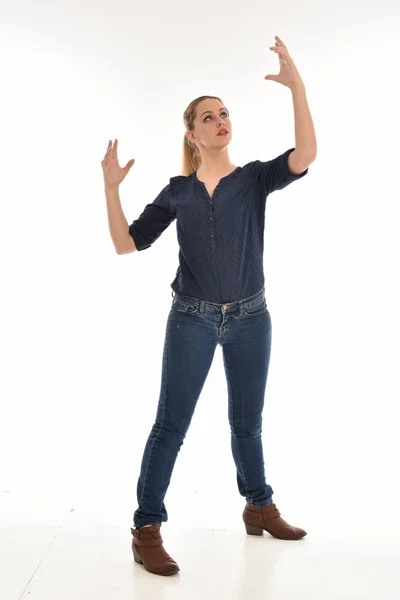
x: 209, y: 203
x: 210, y: 218
x: 211, y: 235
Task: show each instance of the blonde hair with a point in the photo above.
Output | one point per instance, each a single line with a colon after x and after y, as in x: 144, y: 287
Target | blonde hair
x: 191, y: 158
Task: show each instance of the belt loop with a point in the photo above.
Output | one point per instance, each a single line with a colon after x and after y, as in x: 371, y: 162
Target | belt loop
x: 202, y: 303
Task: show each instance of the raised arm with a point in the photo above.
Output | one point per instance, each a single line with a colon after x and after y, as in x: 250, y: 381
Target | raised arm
x: 113, y: 177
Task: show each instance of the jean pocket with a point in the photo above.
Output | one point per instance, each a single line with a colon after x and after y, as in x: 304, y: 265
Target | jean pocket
x: 256, y: 309
x: 180, y: 306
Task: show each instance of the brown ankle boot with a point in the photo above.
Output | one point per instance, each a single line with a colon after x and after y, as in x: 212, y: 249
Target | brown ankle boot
x: 148, y: 550
x: 258, y: 518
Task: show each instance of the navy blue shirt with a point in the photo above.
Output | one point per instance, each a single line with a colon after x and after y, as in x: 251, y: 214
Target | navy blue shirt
x: 221, y: 238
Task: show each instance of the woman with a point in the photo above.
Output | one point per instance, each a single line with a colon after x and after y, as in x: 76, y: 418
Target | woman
x: 218, y: 298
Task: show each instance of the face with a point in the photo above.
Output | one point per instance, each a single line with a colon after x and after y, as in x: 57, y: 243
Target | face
x: 211, y: 117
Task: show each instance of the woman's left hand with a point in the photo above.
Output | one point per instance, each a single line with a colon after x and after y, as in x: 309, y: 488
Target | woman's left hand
x: 288, y: 74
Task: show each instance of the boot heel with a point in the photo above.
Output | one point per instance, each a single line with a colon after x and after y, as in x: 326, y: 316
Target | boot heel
x: 137, y: 558
x: 253, y: 529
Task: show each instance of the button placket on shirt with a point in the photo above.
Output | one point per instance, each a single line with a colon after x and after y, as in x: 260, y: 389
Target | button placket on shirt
x: 210, y: 218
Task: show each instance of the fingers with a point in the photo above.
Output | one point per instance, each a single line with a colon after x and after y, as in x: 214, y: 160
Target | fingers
x: 111, y: 151
x: 278, y: 49
x: 107, y: 154
x: 279, y: 41
x: 281, y: 52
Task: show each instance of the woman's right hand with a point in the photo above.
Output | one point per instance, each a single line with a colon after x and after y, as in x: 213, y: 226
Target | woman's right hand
x: 113, y: 173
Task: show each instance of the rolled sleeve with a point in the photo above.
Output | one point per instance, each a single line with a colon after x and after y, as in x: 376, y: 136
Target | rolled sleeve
x: 275, y: 174
x: 155, y: 219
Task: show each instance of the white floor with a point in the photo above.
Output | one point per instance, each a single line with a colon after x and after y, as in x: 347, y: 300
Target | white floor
x: 82, y: 551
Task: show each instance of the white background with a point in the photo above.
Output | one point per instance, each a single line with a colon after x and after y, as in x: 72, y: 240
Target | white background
x: 82, y: 328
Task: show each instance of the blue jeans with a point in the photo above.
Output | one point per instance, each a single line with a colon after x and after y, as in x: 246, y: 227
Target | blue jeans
x: 194, y: 328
